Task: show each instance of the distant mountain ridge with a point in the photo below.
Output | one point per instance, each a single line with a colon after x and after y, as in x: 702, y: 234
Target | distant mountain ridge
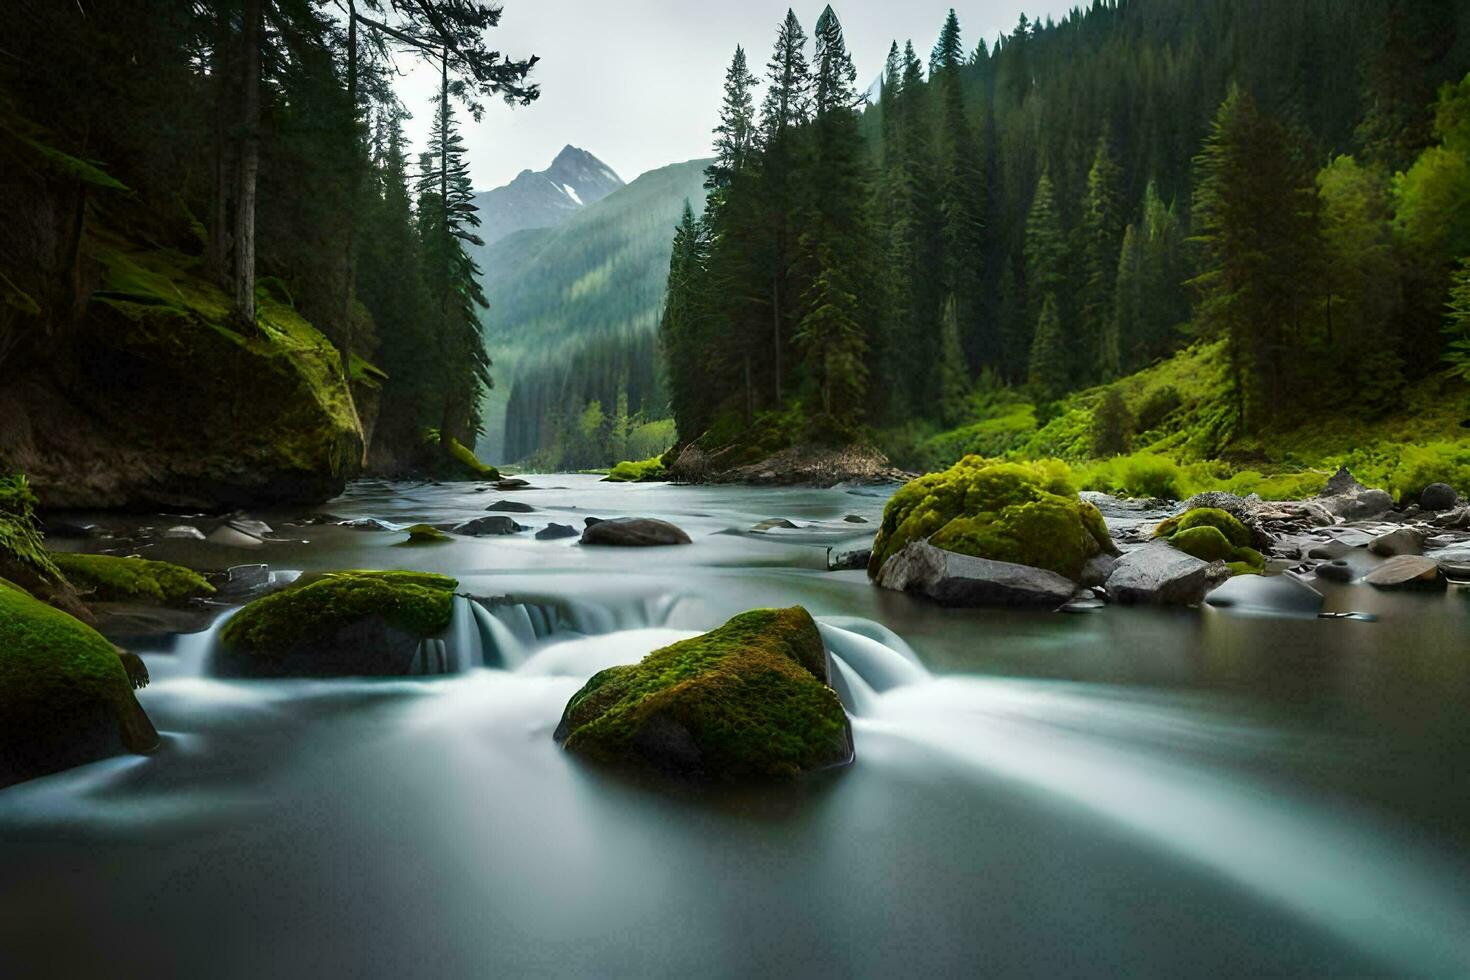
x: 546, y: 198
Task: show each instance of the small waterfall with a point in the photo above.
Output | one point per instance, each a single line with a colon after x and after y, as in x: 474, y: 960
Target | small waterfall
x: 503, y: 647
x: 190, y: 656
x: 857, y: 697
x: 879, y: 666
x: 466, y: 652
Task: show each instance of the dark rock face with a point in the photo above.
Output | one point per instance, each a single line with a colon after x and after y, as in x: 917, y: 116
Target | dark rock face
x: 554, y: 532
x: 1438, y: 497
x: 1097, y: 570
x: 1407, y: 570
x: 961, y: 580
x: 634, y: 532
x: 1160, y: 574
x: 749, y: 699
x: 511, y: 507
x: 482, y: 527
x: 1337, y: 570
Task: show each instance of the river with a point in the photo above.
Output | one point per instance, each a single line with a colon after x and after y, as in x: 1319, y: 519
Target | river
x: 1223, y: 791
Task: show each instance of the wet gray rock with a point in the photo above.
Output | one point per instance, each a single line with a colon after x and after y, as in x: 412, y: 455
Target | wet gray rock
x: 1406, y: 570
x: 482, y: 527
x: 511, y: 507
x: 250, y: 526
x: 1272, y: 595
x: 245, y: 578
x: 855, y: 519
x: 1097, y: 569
x: 773, y: 523
x: 1336, y: 570
x: 233, y: 537
x: 367, y: 524
x: 1403, y: 541
x: 1356, y: 505
x: 184, y: 532
x: 1330, y: 550
x: 1341, y: 482
x: 848, y: 555
x: 961, y: 580
x: 1438, y: 497
x: 555, y: 532
x: 1160, y: 574
x: 633, y: 532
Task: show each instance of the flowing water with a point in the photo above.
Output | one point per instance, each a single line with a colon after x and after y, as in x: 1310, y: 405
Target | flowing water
x: 1222, y: 791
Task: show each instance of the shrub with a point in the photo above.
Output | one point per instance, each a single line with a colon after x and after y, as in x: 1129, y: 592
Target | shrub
x: 1111, y: 424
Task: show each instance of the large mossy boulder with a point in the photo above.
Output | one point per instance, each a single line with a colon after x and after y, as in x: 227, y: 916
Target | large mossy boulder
x: 1021, y: 513
x: 338, y: 624
x: 161, y: 399
x: 65, y: 696
x: 748, y: 699
x: 1211, y: 534
x: 108, y: 578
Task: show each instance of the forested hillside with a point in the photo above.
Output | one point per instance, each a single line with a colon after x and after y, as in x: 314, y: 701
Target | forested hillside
x: 574, y: 319
x: 224, y: 279
x: 1011, y: 223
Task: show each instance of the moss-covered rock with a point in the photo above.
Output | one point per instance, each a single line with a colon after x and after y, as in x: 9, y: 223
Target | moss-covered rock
x: 65, y: 695
x: 164, y: 402
x: 1023, y: 513
x: 1211, y: 534
x: 638, y: 471
x: 473, y: 468
x: 353, y: 623
x: 425, y: 534
x: 108, y: 578
x: 747, y: 699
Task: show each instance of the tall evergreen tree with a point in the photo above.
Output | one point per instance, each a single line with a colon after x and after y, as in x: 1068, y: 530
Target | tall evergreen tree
x: 735, y: 136
x: 1102, y: 239
x: 1050, y: 367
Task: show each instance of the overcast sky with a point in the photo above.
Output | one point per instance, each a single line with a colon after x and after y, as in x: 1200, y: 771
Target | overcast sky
x: 637, y: 82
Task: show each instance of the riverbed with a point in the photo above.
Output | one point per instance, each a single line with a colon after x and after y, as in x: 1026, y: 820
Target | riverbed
x: 1230, y: 790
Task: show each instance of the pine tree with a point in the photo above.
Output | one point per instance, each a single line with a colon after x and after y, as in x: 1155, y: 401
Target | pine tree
x: 679, y: 329
x: 788, y: 82
x: 1102, y: 233
x: 954, y: 376
x: 1045, y: 250
x: 1457, y: 322
x: 1049, y: 361
x: 735, y: 136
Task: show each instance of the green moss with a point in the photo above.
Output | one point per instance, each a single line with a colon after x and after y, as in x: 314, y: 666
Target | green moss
x: 466, y: 458
x: 318, y: 606
x: 630, y: 471
x: 749, y: 694
x: 1227, y: 524
x: 1210, y: 534
x: 107, y: 578
x: 1026, y: 513
x: 56, y: 671
x: 425, y: 534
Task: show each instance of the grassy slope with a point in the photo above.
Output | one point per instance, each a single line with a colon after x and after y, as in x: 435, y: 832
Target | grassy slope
x: 1190, y: 444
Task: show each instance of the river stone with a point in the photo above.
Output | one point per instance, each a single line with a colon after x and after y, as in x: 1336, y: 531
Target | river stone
x: 554, y: 532
x: 251, y: 526
x: 1160, y: 574
x: 232, y: 537
x: 511, y: 507
x: 961, y: 580
x: 633, y: 532
x: 775, y: 522
x: 244, y: 578
x: 855, y: 519
x: 1406, y: 570
x: 1097, y: 569
x: 848, y: 555
x: 1358, y: 504
x: 1336, y: 570
x: 485, y: 526
x: 512, y: 483
x: 1330, y: 550
x: 367, y: 524
x: 1403, y: 541
x: 184, y: 532
x: 1341, y: 482
x: 1438, y: 496
x: 1279, y: 595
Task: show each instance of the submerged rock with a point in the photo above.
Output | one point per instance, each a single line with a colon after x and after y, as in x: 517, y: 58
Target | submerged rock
x: 233, y: 537
x: 849, y: 555
x: 1406, y: 570
x: 964, y: 580
x: 1160, y: 574
x: 510, y: 507
x: 1015, y: 513
x: 750, y: 698
x: 1276, y: 595
x: 425, y: 534
x: 555, y: 532
x: 633, y: 532
x: 855, y: 519
x: 337, y: 624
x: 485, y: 526
x: 66, y: 695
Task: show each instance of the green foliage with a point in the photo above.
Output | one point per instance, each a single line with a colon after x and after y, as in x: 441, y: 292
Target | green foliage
x: 1457, y: 322
x: 1137, y: 475
x: 21, y: 541
x: 749, y: 694
x: 317, y: 606
x: 629, y: 471
x: 1111, y: 424
x: 1435, y: 462
x: 1026, y: 513
x: 108, y: 578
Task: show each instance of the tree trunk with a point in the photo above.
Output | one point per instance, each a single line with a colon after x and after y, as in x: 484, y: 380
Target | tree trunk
x: 217, y: 249
x: 244, y: 279
x: 776, y: 331
x: 354, y: 178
